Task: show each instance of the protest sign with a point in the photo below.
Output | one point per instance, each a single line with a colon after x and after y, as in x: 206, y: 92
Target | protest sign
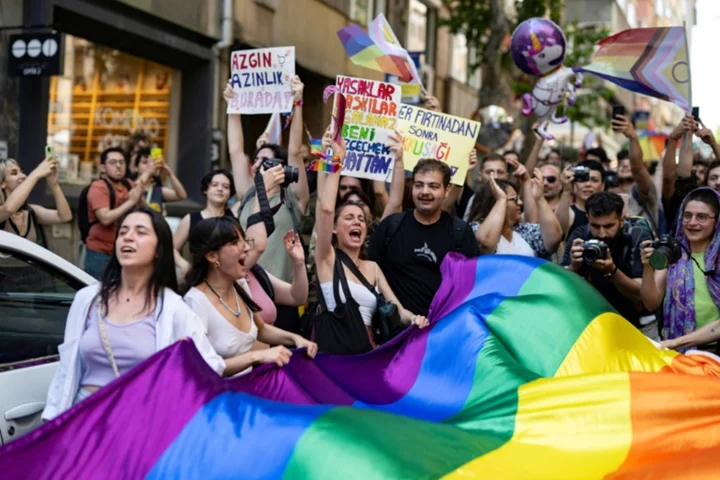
x: 261, y: 80
x: 370, y: 116
x: 428, y: 134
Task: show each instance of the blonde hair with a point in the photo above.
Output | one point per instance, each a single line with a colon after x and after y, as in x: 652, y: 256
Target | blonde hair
x: 4, y: 164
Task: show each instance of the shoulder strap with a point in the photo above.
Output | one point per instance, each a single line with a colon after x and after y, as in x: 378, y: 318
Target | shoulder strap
x: 354, y: 269
x: 111, y: 191
x: 394, y: 223
x: 106, y: 343
x: 340, y: 280
x: 249, y: 195
x: 195, y: 218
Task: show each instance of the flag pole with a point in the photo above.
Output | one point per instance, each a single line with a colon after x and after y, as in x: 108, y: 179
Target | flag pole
x: 687, y: 54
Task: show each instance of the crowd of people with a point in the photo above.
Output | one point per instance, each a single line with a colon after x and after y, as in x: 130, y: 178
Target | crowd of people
x: 285, y: 257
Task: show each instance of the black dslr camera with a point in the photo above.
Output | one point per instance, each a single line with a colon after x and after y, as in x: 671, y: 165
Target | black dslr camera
x: 667, y: 251
x: 292, y: 174
x: 582, y: 174
x: 594, y: 250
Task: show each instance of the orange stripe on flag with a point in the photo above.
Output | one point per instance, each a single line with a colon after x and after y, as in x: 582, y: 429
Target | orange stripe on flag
x: 676, y: 428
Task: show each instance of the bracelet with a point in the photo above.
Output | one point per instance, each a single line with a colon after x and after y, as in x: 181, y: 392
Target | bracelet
x: 612, y: 274
x: 298, y: 103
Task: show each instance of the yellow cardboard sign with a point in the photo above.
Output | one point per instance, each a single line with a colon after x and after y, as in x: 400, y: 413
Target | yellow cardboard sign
x: 428, y: 134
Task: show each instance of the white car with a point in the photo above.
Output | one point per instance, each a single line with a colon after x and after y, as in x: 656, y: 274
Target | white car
x: 36, y: 290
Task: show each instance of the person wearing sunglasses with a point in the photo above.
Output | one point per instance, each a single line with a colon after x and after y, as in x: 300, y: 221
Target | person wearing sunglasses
x: 689, y: 288
x: 552, y: 186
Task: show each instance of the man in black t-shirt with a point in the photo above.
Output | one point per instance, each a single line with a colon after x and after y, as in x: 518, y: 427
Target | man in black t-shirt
x: 618, y: 276
x: 410, y: 246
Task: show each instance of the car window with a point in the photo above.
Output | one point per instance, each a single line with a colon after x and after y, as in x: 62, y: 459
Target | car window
x: 34, y: 301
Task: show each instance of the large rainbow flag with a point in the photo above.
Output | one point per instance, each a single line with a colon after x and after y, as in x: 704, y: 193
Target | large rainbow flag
x: 525, y: 373
x: 650, y: 61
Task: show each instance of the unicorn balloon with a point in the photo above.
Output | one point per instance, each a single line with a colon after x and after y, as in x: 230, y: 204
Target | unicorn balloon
x: 538, y: 48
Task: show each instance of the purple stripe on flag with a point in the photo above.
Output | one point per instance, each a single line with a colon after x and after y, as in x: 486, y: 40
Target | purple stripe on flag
x: 164, y: 392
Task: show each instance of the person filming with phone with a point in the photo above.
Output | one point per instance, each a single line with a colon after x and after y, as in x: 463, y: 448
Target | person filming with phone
x: 21, y: 218
x: 606, y: 252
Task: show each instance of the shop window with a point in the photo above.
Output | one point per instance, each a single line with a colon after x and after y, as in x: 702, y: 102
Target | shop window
x: 103, y: 97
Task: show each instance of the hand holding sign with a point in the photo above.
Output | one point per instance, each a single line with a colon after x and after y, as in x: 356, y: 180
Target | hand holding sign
x: 228, y: 93
x: 396, y: 145
x: 297, y: 87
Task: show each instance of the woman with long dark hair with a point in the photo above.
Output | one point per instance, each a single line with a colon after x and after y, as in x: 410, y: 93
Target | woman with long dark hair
x: 689, y: 290
x: 129, y: 316
x: 219, y: 295
x: 341, y: 234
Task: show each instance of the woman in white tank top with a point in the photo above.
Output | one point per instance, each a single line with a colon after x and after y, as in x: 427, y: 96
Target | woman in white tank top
x: 220, y: 298
x: 348, y: 226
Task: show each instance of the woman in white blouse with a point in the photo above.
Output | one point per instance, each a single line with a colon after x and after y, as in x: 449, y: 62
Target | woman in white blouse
x: 217, y: 294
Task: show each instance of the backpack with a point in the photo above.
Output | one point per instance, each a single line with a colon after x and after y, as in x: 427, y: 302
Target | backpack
x: 84, y: 223
x: 458, y: 229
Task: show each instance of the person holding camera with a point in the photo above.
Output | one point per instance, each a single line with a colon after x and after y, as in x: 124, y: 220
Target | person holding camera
x: 606, y: 252
x: 583, y: 180
x: 288, y: 200
x: 681, y: 272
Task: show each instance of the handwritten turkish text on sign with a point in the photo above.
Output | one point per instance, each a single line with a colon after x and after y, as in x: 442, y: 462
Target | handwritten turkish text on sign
x: 261, y: 80
x: 370, y: 116
x: 428, y: 134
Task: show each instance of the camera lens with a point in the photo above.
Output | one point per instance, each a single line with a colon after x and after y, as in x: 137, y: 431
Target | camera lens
x: 292, y: 175
x: 660, y: 258
x: 591, y: 254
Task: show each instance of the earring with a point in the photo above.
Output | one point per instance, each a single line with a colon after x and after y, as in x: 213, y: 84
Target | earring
x: 217, y: 264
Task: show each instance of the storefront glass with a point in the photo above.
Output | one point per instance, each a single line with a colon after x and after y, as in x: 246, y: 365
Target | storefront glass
x: 102, y: 99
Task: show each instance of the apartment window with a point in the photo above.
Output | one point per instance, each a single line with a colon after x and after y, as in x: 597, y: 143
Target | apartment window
x: 361, y: 11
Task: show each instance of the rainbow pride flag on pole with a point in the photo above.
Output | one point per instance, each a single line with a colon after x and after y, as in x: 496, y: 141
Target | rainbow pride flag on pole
x: 651, y: 61
x: 366, y: 52
x: 525, y: 373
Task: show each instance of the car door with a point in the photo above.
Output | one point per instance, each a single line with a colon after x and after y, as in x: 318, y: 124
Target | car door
x: 35, y: 297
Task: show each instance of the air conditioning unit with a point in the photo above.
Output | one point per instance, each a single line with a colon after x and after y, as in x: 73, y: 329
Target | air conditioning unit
x: 427, y: 76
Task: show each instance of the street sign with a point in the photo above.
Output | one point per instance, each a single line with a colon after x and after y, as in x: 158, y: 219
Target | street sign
x: 35, y: 55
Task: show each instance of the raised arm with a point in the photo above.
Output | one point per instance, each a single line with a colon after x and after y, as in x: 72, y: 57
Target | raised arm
x: 236, y: 148
x: 108, y: 216
x: 272, y: 177
x: 640, y: 172
x: 17, y: 198
x: 177, y: 192
x: 526, y: 192
x: 328, y: 184
x: 706, y: 135
x: 397, y: 185
x: 457, y: 190
x: 563, y: 213
x: 685, y: 160
x: 297, y: 130
x: 669, y: 166
x: 490, y: 228
x: 62, y: 212
x: 532, y: 160
x: 296, y: 293
x: 549, y: 225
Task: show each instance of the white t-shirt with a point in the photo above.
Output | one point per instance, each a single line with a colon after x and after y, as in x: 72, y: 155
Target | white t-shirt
x: 516, y: 246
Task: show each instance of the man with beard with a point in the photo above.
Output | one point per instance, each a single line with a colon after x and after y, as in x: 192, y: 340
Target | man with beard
x: 618, y: 273
x: 552, y: 186
x: 410, y: 246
